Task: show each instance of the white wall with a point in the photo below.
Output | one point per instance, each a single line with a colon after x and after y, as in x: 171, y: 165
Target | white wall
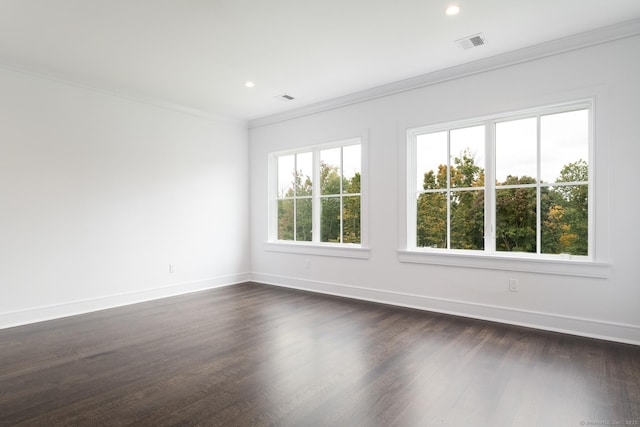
x: 99, y: 194
x: 608, y: 308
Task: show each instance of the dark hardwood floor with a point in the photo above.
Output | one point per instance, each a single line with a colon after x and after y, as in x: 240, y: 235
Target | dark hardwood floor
x: 256, y: 355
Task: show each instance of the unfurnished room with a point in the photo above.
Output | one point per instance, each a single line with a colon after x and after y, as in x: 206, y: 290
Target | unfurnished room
x: 319, y: 213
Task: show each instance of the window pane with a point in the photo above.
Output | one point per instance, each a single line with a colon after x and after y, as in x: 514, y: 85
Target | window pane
x: 467, y: 220
x: 431, y: 161
x: 516, y: 150
x: 305, y: 174
x: 286, y: 170
x: 351, y: 169
x: 564, y: 139
x: 351, y: 219
x: 303, y: 220
x: 467, y: 157
x: 330, y: 219
x: 285, y: 219
x: 432, y: 220
x: 330, y: 171
x: 516, y: 220
x: 565, y: 220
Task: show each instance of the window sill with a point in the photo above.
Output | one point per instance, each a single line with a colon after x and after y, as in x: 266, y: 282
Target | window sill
x: 551, y: 265
x: 323, y: 249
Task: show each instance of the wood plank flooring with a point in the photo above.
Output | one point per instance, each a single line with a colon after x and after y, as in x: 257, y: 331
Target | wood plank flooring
x: 256, y: 355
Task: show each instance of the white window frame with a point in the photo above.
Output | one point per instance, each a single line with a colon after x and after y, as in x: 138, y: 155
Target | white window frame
x: 591, y: 265
x: 316, y: 247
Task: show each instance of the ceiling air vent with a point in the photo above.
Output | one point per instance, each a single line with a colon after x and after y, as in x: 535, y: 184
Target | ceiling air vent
x: 471, y: 41
x: 285, y: 97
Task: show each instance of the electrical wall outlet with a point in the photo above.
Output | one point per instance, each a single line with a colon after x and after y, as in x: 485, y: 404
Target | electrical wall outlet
x: 513, y: 285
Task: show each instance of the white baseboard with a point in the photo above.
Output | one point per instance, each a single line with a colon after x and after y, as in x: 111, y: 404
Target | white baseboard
x: 611, y: 331
x: 591, y: 328
x: 40, y: 314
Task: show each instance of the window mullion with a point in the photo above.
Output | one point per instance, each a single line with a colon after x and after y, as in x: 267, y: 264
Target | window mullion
x: 489, y: 188
x: 341, y: 193
x: 316, y: 204
x: 449, y: 189
x: 412, y: 203
x: 538, y: 189
x: 591, y: 238
x: 295, y: 198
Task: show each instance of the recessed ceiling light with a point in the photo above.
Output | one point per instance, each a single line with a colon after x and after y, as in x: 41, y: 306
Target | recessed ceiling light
x: 452, y: 10
x: 249, y: 84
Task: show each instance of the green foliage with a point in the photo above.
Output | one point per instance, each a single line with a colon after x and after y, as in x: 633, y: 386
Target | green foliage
x: 465, y: 172
x: 467, y: 207
x: 516, y: 216
x: 351, y: 211
x: 432, y: 220
x: 330, y: 206
x: 467, y: 220
x: 301, y: 186
x: 285, y: 219
x: 565, y: 225
x: 564, y: 210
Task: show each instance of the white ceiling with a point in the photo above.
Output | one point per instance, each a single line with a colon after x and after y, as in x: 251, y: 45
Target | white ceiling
x: 197, y: 54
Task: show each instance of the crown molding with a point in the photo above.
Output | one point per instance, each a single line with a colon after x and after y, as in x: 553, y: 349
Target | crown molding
x: 542, y: 50
x: 133, y: 98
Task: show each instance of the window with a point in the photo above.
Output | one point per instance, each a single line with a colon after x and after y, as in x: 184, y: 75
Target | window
x: 318, y: 196
x: 515, y: 184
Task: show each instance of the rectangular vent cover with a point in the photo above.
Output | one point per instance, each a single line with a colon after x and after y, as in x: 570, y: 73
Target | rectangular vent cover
x: 285, y: 97
x: 471, y: 41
